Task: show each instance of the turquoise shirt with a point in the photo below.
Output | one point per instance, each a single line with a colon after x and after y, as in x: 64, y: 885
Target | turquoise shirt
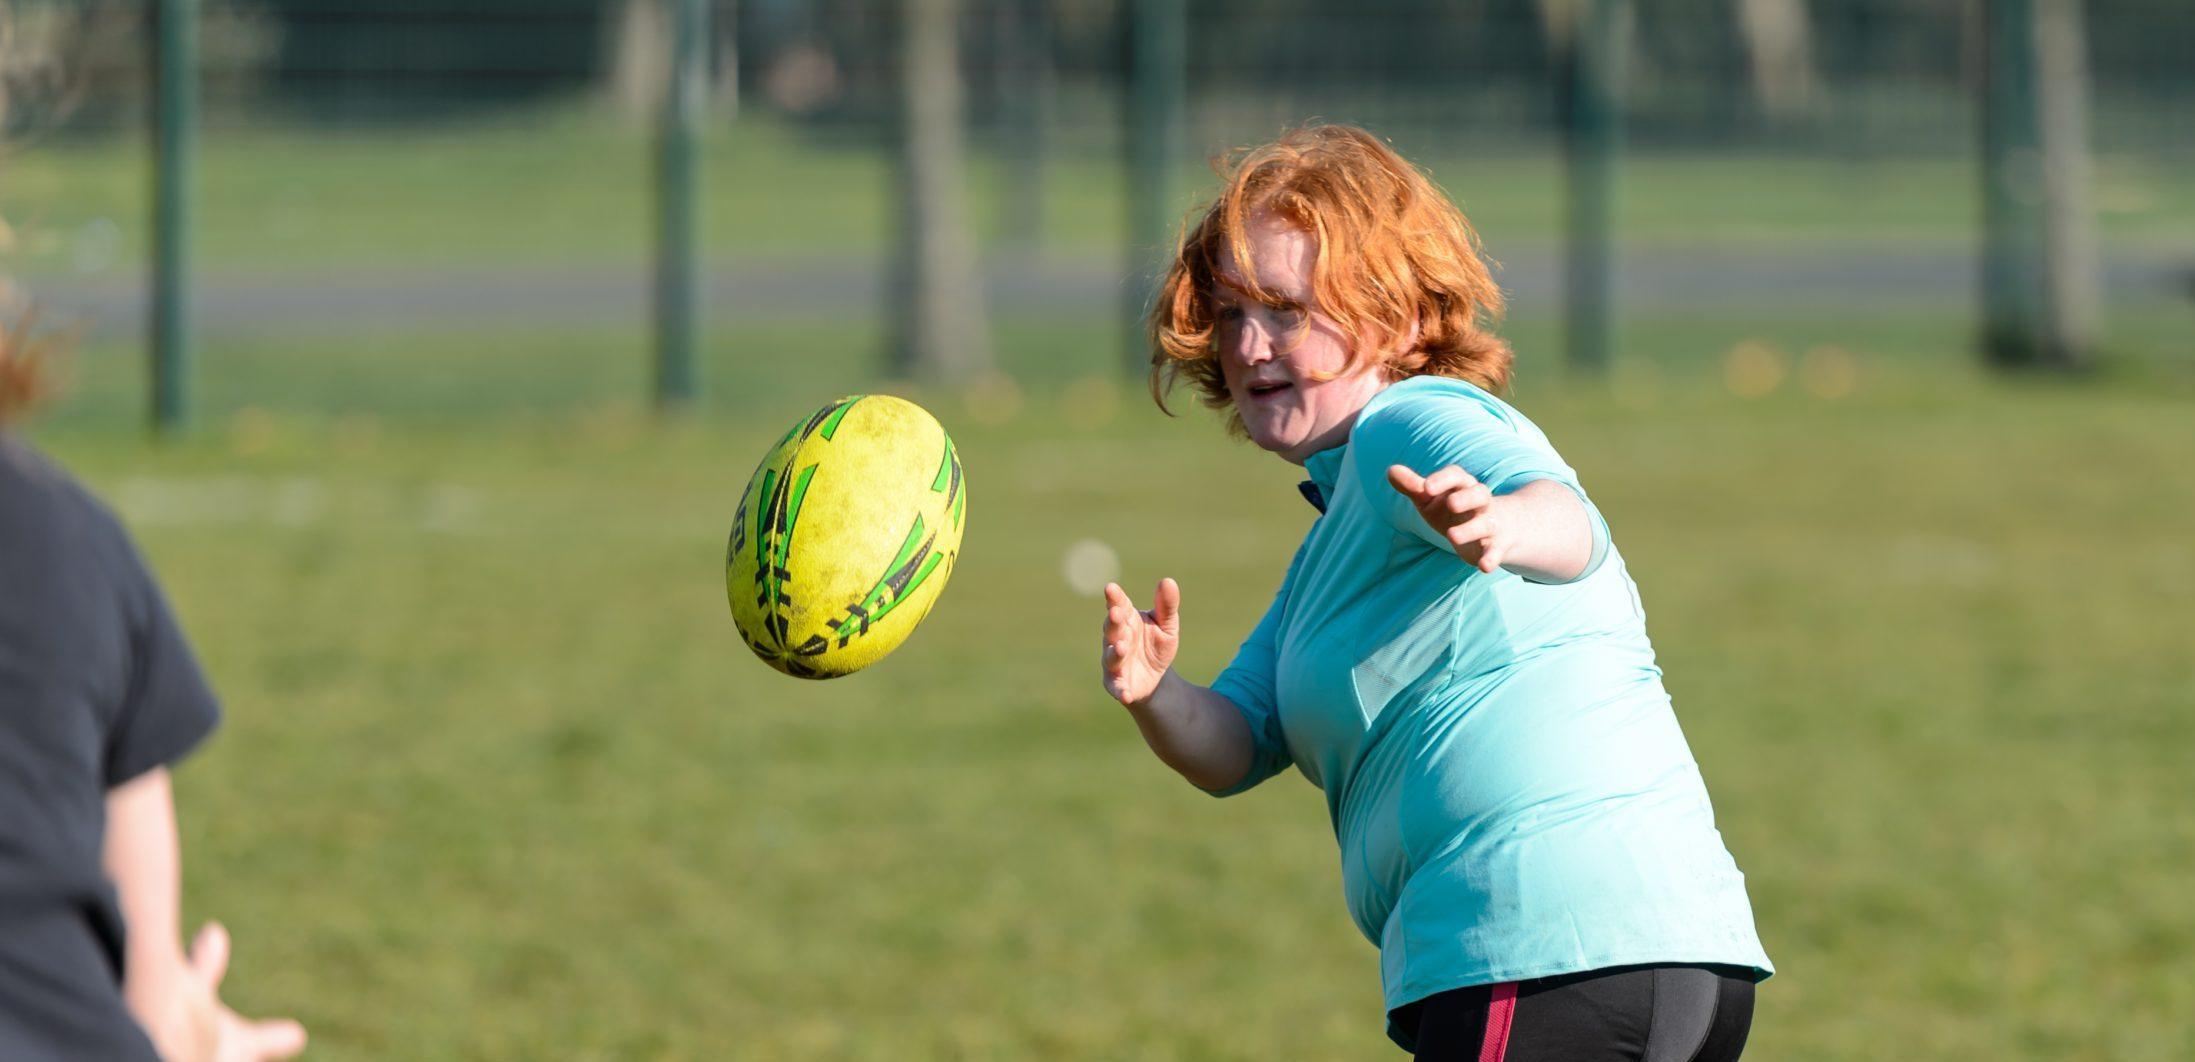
x: 1508, y: 784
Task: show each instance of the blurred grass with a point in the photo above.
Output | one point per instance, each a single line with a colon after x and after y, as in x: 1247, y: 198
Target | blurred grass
x: 498, y: 780
x: 570, y: 185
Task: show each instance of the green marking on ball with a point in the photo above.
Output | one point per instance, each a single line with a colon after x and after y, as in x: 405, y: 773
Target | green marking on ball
x: 830, y: 423
x: 908, y: 570
x: 764, y: 515
x: 944, y: 469
x: 948, y: 480
x: 960, y: 495
x: 774, y: 545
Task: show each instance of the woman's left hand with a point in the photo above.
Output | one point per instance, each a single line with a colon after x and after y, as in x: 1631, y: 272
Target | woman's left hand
x: 1460, y: 509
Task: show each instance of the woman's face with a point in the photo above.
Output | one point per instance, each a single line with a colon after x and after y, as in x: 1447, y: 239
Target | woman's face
x: 1269, y: 353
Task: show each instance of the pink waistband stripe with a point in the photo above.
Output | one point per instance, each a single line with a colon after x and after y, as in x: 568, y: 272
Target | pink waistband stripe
x: 1501, y: 1012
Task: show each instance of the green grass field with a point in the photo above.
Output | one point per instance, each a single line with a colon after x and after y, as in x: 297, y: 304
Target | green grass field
x: 498, y: 780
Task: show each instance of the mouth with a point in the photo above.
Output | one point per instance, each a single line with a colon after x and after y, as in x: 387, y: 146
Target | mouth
x: 1266, y: 389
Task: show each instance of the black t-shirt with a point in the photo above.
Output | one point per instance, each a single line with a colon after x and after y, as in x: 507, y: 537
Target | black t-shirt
x: 97, y: 686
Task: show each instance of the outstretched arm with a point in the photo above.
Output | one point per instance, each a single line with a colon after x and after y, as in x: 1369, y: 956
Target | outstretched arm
x: 1197, y: 732
x: 1540, y: 531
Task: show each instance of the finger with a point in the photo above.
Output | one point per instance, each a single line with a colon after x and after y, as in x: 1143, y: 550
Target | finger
x: 1405, y: 480
x: 1166, y: 606
x: 1447, y: 479
x: 1466, y: 498
x: 209, y: 957
x: 1491, y: 559
x: 275, y: 1038
x: 1126, y: 621
x: 1475, y: 529
x: 1443, y: 479
x: 1117, y: 597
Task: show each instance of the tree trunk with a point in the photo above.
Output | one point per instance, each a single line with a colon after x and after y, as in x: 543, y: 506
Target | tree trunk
x: 640, y: 57
x: 1779, y: 52
x: 940, y: 322
x: 2071, y: 271
x: 2040, y: 287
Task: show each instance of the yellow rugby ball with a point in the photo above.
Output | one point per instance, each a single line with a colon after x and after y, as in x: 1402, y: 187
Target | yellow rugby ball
x: 845, y: 536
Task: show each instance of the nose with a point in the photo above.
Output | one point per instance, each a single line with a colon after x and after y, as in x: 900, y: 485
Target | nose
x: 1251, y: 343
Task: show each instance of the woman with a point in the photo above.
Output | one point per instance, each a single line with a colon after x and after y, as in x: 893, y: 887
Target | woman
x: 99, y: 693
x: 1456, y: 654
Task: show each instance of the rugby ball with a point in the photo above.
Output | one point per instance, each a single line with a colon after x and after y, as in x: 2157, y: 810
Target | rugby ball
x: 845, y: 536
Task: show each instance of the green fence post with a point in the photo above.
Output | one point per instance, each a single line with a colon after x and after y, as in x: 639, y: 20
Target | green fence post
x: 1024, y: 89
x: 677, y: 273
x: 2012, y: 192
x: 1158, y: 62
x: 1592, y: 76
x: 175, y: 143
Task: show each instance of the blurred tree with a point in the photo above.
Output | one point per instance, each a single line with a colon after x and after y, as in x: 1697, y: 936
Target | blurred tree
x: 1780, y: 55
x: 637, y: 56
x: 35, y: 51
x: 939, y: 322
x: 2072, y: 270
x: 2040, y: 291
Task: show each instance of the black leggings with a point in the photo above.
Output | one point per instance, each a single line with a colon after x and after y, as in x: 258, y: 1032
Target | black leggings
x: 1632, y: 1013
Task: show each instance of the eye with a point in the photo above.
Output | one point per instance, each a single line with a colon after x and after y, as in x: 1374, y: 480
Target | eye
x: 1229, y: 313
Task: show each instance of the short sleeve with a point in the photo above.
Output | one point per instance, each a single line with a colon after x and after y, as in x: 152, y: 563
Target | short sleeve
x: 1432, y: 431
x: 1249, y: 683
x: 167, y: 707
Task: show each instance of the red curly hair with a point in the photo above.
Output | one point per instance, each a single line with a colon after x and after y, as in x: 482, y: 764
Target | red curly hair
x: 24, y: 352
x: 1393, y: 254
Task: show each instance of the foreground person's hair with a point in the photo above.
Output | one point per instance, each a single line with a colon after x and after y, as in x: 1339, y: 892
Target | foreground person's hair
x: 1393, y: 253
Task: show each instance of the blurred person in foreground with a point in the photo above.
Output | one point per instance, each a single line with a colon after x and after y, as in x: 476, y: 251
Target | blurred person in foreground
x: 99, y: 694
x: 1456, y: 655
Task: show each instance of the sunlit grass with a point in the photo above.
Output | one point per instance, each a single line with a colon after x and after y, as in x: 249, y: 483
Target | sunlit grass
x: 498, y: 779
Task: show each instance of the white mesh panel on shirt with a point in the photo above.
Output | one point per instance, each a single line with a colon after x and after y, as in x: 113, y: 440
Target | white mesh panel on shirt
x: 1423, y: 644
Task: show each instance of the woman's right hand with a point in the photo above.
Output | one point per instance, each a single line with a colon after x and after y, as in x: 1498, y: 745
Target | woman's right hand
x: 1139, y: 646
